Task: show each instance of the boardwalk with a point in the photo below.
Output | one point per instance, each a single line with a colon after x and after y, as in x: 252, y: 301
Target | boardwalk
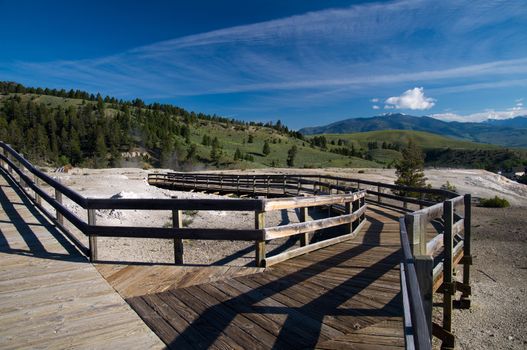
x: 343, y: 296
x: 50, y: 296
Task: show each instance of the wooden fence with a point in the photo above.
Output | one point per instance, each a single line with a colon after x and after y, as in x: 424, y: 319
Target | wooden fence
x: 350, y: 208
x: 427, y: 265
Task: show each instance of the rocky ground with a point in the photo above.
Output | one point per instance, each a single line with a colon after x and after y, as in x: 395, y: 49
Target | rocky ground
x: 499, y: 275
x: 497, y: 318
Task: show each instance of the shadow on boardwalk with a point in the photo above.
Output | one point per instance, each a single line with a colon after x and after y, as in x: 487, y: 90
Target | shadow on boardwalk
x: 25, y: 222
x: 296, y: 304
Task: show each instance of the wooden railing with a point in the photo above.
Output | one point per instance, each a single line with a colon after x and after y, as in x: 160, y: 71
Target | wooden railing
x: 427, y: 265
x: 437, y: 258
x: 29, y: 178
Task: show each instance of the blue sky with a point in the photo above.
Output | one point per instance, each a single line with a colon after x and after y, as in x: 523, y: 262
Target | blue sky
x: 304, y: 62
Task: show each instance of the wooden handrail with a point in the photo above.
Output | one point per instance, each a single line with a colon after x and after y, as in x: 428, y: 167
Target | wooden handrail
x: 420, y: 280
x: 9, y: 156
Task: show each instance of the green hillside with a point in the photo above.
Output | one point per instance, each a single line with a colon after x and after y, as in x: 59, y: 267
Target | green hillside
x: 423, y: 139
x: 55, y: 127
x: 384, y: 147
x: 58, y: 127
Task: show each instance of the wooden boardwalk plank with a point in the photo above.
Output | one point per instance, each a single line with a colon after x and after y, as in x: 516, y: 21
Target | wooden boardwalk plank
x: 50, y: 295
x: 345, y: 296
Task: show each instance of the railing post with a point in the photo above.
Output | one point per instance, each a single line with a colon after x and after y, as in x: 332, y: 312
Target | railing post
x: 92, y: 238
x: 297, y: 187
x: 254, y: 185
x: 3, y: 152
x: 58, y: 198
x: 355, y: 205
x: 7, y: 167
x: 268, y: 185
x: 348, y: 209
x: 38, y: 200
x: 424, y: 269
x: 304, y: 237
x: 177, y: 222
x: 285, y: 184
x: 238, y: 185
x: 379, y: 198
x: 467, y: 257
x: 448, y: 285
x: 424, y: 264
x: 22, y: 170
x: 259, y: 224
x: 421, y: 197
x: 416, y: 228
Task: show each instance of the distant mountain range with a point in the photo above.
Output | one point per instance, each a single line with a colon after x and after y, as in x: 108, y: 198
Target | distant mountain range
x: 506, y: 132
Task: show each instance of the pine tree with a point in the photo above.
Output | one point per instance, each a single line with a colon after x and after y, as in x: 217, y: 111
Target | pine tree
x: 266, y: 148
x: 191, y: 151
x: 251, y: 139
x: 291, y: 154
x: 410, y: 169
x: 215, y: 152
x: 238, y: 155
x: 100, y: 151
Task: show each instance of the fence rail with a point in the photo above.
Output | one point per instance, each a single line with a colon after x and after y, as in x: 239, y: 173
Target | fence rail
x: 32, y: 179
x: 427, y: 265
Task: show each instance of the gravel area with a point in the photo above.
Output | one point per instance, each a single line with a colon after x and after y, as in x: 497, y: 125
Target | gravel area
x: 497, y: 318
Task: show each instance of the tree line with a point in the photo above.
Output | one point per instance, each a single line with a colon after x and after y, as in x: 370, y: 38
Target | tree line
x: 96, y: 131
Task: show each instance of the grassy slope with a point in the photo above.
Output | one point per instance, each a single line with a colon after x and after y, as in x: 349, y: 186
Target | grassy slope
x: 425, y: 140
x: 232, y: 137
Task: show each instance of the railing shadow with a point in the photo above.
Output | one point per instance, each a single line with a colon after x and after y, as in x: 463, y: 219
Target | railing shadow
x: 27, y: 233
x: 303, y: 325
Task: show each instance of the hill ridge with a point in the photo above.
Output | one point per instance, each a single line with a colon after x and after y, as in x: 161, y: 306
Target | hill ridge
x: 494, y: 132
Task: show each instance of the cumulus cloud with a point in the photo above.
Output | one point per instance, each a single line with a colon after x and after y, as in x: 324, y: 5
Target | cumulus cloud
x: 375, y: 107
x: 414, y: 99
x: 374, y: 100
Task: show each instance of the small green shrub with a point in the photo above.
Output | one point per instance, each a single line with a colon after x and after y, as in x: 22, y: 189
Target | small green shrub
x: 187, y: 222
x: 361, y: 172
x: 495, y: 202
x: 449, y: 187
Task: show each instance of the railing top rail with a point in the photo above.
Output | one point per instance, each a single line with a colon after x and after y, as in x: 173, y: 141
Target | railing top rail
x: 435, y: 191
x: 68, y: 192
x: 436, y: 210
x: 310, y: 201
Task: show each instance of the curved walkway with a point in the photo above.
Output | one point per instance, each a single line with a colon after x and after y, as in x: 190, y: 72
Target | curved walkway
x: 343, y: 296
x: 50, y: 295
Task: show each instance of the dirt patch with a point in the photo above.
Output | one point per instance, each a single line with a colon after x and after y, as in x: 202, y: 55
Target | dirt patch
x: 497, y: 318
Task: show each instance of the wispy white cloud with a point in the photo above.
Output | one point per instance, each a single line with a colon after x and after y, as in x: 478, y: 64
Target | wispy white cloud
x: 375, y: 107
x: 323, y: 53
x: 413, y: 99
x: 482, y: 116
